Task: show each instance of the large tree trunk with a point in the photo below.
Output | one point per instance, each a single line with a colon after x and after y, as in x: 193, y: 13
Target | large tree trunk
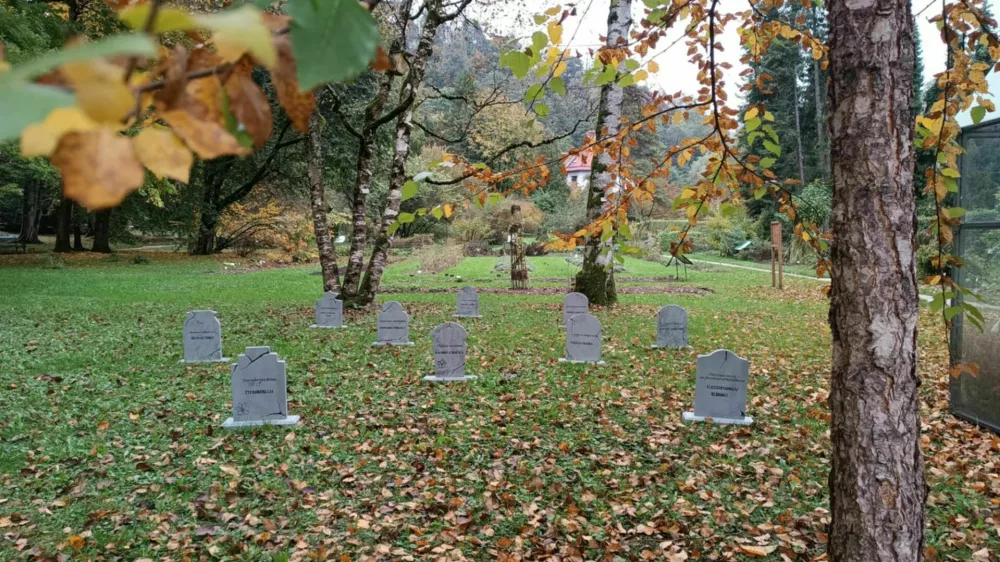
x: 596, y: 278
x: 64, y: 219
x: 877, y: 487
x: 362, y: 187
x: 30, y: 214
x: 78, y: 229
x: 317, y: 190
x: 404, y: 128
x: 102, y: 232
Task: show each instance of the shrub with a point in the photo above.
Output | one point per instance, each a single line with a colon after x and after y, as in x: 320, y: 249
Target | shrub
x: 724, y: 232
x: 140, y: 259
x: 437, y: 258
x: 476, y: 248
x: 471, y: 229
x: 499, y: 217
x: 536, y: 249
x: 415, y: 241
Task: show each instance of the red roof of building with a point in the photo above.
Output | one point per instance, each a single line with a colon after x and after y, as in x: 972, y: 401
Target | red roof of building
x: 579, y: 162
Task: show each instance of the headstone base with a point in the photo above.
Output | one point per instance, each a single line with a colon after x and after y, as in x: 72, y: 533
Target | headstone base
x: 690, y: 417
x: 598, y: 363
x: 328, y: 327
x: 232, y: 424
x: 435, y: 378
x: 391, y: 343
x: 654, y: 346
x: 461, y: 316
x: 223, y: 360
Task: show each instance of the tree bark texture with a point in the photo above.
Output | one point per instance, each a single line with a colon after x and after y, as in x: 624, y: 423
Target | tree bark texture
x: 78, y: 215
x: 64, y: 219
x: 30, y: 214
x: 877, y: 487
x: 404, y: 128
x: 102, y: 232
x: 596, y: 277
x: 362, y: 187
x: 317, y: 190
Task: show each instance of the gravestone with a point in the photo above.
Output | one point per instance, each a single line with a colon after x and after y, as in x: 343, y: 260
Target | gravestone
x: 468, y: 303
x: 259, y: 390
x: 583, y: 340
x: 671, y: 327
x: 449, y: 354
x: 720, y: 392
x: 202, y: 338
x: 393, y: 325
x: 573, y: 304
x: 329, y: 311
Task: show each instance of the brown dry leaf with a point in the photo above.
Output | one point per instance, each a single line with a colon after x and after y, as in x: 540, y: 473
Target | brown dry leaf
x: 76, y: 541
x: 104, y: 425
x: 163, y: 153
x: 757, y: 550
x: 298, y: 105
x: 207, y: 139
x: 174, y: 71
x: 99, y: 168
x: 248, y: 103
x: 382, y: 62
x: 100, y: 89
x: 230, y: 470
x: 41, y: 139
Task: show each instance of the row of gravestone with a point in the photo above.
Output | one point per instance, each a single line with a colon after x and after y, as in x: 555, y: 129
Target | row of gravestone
x: 721, y: 384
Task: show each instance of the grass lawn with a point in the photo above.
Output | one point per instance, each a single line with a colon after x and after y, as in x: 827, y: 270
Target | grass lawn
x: 114, y: 451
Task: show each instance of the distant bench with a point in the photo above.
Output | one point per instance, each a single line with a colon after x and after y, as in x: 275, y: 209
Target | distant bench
x: 13, y: 242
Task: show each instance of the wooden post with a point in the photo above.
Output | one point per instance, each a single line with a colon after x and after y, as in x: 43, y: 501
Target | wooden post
x: 777, y: 255
x: 518, y: 265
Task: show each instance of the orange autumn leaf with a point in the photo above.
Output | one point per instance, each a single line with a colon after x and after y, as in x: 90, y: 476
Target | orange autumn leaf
x: 298, y: 105
x: 99, y: 168
x: 248, y: 103
x: 163, y: 153
x: 100, y: 89
x: 381, y: 63
x: 207, y: 139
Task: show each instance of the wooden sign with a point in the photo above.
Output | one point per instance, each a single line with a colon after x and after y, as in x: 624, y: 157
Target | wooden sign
x: 777, y: 256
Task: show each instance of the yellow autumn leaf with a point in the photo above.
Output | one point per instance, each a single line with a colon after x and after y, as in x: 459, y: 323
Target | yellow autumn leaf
x: 41, y: 139
x: 235, y: 31
x: 555, y: 33
x: 640, y: 75
x: 757, y: 550
x: 242, y: 31
x: 99, y: 168
x: 448, y: 210
x: 653, y: 67
x: 751, y: 113
x: 167, y: 19
x: 207, y: 139
x: 553, y: 10
x: 559, y: 70
x: 163, y: 153
x: 100, y: 89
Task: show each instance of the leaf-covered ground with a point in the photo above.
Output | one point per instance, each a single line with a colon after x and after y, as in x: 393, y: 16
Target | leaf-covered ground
x: 113, y: 451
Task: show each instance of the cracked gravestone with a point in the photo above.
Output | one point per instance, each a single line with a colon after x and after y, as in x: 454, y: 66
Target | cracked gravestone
x: 202, y: 337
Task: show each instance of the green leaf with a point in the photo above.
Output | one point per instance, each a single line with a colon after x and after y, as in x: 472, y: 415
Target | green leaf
x: 952, y: 311
x: 518, y: 63
x: 753, y: 124
x: 607, y: 75
x: 978, y: 113
x: 24, y: 103
x: 410, y: 190
x: 480, y: 166
x: 938, y: 303
x: 626, y: 80
x: 631, y: 64
x: 558, y: 86
x: 759, y: 192
x: 333, y: 40
x: 754, y: 136
x: 534, y: 92
x: 767, y: 162
x: 771, y: 132
x: 132, y: 44
x: 951, y: 184
x: 773, y: 148
x: 625, y: 231
x: 393, y: 228
x: 950, y: 173
x: 538, y: 42
x: 438, y: 212
x: 540, y: 19
x: 406, y: 218
x: 954, y: 212
x: 541, y: 109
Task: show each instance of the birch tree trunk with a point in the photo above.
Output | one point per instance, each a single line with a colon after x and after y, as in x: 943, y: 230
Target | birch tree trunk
x: 362, y: 188
x: 404, y: 128
x: 877, y: 487
x: 317, y: 190
x: 596, y: 278
x: 798, y: 129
